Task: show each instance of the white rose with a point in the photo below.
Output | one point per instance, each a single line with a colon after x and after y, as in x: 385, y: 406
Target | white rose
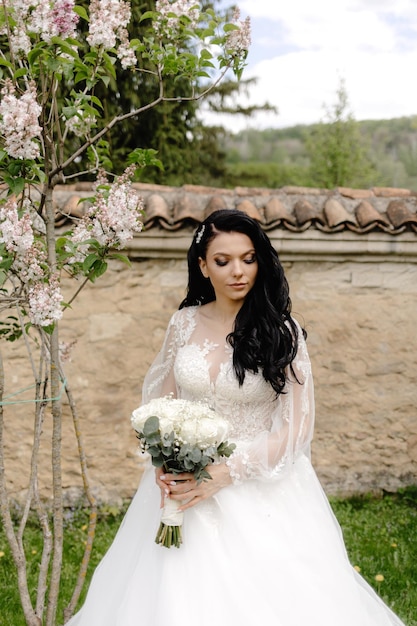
x: 207, y: 430
x: 168, y: 410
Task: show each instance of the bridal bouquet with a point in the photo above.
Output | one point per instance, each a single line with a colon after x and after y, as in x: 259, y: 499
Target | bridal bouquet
x: 181, y: 436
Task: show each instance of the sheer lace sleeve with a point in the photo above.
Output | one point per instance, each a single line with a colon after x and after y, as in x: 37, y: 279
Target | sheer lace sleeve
x: 272, y: 452
x: 159, y: 380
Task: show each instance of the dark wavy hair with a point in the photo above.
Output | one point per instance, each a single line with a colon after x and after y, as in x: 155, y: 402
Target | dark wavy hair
x: 265, y: 337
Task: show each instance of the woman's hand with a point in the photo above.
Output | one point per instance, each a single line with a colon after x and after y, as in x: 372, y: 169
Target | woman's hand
x: 184, y: 487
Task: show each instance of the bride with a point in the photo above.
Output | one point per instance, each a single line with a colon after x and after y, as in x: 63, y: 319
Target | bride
x: 261, y: 545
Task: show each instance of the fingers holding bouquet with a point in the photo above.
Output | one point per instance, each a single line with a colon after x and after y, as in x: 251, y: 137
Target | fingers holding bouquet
x: 187, y: 442
x: 185, y: 489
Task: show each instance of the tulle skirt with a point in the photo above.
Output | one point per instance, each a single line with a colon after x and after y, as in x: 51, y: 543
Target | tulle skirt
x: 260, y: 553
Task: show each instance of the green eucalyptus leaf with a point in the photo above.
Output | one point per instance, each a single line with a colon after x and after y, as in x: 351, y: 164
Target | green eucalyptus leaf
x: 151, y: 425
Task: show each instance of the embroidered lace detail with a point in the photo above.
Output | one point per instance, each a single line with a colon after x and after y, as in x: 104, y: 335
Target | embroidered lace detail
x: 180, y: 328
x: 270, y: 432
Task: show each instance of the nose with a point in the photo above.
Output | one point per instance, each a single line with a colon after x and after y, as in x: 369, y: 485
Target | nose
x: 237, y: 268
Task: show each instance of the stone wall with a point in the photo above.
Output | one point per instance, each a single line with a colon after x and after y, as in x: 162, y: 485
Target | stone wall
x: 361, y: 322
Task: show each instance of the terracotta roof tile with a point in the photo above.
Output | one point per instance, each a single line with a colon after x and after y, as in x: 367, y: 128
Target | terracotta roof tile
x: 399, y: 214
x: 368, y: 217
x: 306, y: 214
x: 355, y: 193
x: 215, y: 203
x: 295, y: 209
x: 277, y: 214
x: 336, y: 214
x: 186, y: 211
x: 157, y: 210
x: 247, y: 206
x: 392, y: 192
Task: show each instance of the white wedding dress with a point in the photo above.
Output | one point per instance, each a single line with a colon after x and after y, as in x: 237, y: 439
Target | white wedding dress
x: 264, y: 551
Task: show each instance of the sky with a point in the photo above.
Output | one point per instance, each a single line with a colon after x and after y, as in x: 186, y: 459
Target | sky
x: 301, y: 49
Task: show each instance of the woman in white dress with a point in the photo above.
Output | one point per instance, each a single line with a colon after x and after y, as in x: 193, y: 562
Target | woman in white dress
x: 261, y: 545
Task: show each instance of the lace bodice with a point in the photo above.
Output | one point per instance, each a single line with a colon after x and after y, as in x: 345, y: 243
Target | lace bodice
x: 196, y: 364
x: 248, y: 408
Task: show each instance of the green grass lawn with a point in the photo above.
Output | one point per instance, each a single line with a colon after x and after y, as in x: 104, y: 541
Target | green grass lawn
x: 380, y: 535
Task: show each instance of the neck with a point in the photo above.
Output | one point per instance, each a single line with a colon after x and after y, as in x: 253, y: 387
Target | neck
x: 224, y: 312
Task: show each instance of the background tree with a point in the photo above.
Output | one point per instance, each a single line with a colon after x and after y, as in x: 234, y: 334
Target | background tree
x: 190, y: 151
x: 338, y: 154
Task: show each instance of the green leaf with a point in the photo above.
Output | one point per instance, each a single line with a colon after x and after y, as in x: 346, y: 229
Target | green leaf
x: 148, y: 15
x: 89, y: 262
x: 151, y: 425
x: 49, y: 329
x: 20, y: 72
x: 79, y: 10
x: 120, y: 257
x: 98, y: 269
x: 16, y: 185
x: 35, y: 52
x: 6, y: 63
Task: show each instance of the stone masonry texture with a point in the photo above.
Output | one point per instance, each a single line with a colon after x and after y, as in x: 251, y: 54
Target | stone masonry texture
x: 361, y: 323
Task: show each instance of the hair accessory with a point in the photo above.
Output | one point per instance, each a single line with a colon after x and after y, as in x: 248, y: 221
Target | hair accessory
x: 200, y: 234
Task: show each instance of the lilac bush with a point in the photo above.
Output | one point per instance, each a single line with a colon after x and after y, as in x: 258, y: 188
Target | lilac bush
x: 53, y: 54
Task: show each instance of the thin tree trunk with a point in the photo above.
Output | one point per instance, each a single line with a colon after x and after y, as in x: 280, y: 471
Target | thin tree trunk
x: 18, y: 553
x: 56, y: 407
x: 93, y: 510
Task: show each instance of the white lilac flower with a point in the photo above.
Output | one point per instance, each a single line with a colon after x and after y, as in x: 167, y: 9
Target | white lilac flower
x: 21, y: 8
x: 15, y: 232
x: 239, y: 40
x: 80, y: 234
x: 20, y: 43
x: 29, y: 266
x: 171, y: 12
x: 108, y: 22
x: 19, y: 122
x: 45, y: 303
x: 80, y: 124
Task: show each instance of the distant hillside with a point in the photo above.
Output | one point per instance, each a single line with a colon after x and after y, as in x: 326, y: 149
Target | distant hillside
x: 277, y: 157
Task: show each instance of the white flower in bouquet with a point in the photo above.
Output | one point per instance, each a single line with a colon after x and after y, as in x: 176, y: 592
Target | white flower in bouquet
x: 207, y: 430
x: 181, y: 436
x: 166, y: 409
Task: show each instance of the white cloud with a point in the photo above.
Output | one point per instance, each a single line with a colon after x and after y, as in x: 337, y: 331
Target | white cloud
x: 301, y: 48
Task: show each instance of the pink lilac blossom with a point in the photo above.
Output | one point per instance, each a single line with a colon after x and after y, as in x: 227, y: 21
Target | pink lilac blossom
x: 16, y: 233
x: 112, y: 220
x: 108, y: 22
x: 179, y: 8
x: 19, y: 122
x: 239, y: 40
x: 47, y: 18
x: 29, y: 263
x: 51, y: 18
x: 20, y: 43
x: 80, y: 234
x: 80, y: 124
x: 64, y: 18
x: 21, y: 8
x: 45, y: 302
x: 28, y: 266
x: 65, y: 349
x: 125, y: 53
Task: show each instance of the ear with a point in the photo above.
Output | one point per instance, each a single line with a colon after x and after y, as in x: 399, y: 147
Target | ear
x: 203, y: 266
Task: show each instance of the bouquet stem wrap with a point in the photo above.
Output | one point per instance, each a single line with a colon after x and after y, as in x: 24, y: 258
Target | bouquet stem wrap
x: 181, y: 437
x: 169, y: 531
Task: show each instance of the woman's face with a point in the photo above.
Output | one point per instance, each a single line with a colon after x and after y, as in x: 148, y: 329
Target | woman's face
x: 231, y: 265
